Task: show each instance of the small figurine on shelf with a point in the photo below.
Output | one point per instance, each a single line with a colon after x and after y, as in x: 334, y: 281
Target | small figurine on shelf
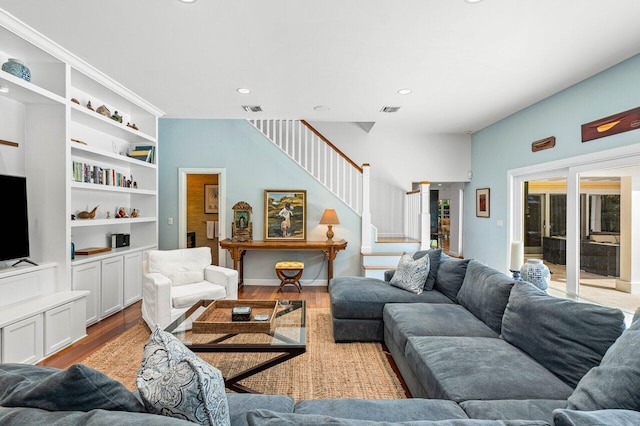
x: 135, y: 185
x: 88, y: 215
x: 116, y: 117
x: 75, y: 101
x: 134, y: 213
x: 133, y: 126
x: 122, y: 212
x: 128, y: 183
x: 102, y: 109
x: 108, y: 215
x: 89, y: 105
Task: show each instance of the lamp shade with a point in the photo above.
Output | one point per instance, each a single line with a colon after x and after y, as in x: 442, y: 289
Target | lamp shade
x: 517, y: 255
x: 329, y: 217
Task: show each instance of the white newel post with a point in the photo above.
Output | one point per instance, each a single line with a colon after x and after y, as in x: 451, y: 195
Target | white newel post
x: 366, y: 210
x: 425, y: 215
x: 629, y: 281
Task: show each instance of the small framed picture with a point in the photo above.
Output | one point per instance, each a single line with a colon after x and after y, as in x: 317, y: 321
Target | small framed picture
x: 285, y: 215
x: 211, y: 199
x: 482, y: 202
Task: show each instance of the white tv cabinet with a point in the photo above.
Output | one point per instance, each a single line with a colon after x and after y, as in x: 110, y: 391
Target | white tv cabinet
x: 66, y: 151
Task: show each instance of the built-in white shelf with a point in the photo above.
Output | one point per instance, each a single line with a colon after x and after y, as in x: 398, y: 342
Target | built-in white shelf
x: 78, y: 223
x: 81, y: 259
x: 26, y: 92
x: 83, y: 115
x: 27, y: 308
x: 110, y: 188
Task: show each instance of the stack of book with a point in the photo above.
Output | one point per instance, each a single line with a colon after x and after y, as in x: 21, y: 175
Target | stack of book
x: 91, y: 173
x: 146, y: 153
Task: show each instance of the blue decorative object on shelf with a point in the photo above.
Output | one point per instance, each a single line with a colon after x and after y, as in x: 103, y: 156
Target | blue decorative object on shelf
x: 17, y: 68
x: 536, y: 272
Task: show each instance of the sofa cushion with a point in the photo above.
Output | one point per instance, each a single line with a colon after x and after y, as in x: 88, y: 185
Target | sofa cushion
x: 564, y: 336
x: 270, y: 418
x: 174, y: 382
x: 615, y: 383
x: 185, y: 296
x: 505, y: 409
x: 596, y: 418
x: 404, y: 320
x: 485, y: 292
x: 450, y: 277
x: 186, y: 277
x: 168, y: 262
x: 435, y: 256
x: 364, y: 298
x: 383, y: 409
x: 23, y: 416
x: 411, y: 274
x: 465, y: 368
x: 78, y: 388
x: 241, y: 403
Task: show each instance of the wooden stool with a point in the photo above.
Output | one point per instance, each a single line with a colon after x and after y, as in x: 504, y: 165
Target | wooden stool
x: 289, y: 273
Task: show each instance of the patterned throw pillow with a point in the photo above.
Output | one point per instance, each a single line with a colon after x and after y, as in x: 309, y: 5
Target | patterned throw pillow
x: 411, y: 275
x: 174, y: 382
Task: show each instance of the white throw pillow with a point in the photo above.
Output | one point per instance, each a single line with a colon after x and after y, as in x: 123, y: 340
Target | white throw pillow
x: 174, y: 382
x: 411, y: 275
x: 187, y: 277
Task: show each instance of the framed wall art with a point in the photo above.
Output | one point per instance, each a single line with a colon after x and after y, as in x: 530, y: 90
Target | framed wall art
x: 285, y: 215
x: 211, y: 199
x: 482, y: 202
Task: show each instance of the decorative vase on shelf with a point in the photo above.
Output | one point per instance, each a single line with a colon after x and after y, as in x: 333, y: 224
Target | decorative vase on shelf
x: 18, y: 68
x: 536, y: 272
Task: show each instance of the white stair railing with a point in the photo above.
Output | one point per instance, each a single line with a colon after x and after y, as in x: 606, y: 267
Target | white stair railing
x: 418, y: 215
x: 412, y: 221
x: 319, y: 157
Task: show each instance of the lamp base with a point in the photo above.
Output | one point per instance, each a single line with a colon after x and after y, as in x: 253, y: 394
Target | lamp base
x: 516, y: 275
x: 330, y: 233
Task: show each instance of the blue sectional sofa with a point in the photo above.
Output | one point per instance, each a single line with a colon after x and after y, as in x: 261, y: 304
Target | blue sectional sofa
x: 495, y: 352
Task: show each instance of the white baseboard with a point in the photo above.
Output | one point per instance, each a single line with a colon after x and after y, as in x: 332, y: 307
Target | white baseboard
x: 276, y: 282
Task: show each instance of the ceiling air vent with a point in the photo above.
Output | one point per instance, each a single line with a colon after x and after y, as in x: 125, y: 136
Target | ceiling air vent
x: 390, y: 109
x: 252, y: 108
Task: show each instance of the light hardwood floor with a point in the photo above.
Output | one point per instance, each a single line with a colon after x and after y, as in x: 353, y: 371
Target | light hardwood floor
x: 103, y: 331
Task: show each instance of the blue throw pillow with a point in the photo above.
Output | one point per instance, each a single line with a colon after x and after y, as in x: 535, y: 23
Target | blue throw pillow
x: 411, y: 275
x: 78, y: 388
x: 615, y: 383
x: 451, y: 273
x: 435, y: 256
x: 174, y: 382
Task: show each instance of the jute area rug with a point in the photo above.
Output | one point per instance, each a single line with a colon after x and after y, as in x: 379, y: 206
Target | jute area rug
x: 326, y: 370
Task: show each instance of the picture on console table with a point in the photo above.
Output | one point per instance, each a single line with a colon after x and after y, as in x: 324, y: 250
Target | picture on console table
x: 285, y: 215
x: 482, y: 202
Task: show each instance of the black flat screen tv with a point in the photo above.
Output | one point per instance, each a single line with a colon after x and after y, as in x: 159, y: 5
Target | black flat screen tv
x: 13, y: 215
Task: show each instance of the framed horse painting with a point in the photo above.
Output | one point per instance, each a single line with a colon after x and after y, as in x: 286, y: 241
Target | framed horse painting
x: 285, y: 215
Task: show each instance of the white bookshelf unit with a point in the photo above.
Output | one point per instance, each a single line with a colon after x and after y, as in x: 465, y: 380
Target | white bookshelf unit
x: 56, y: 136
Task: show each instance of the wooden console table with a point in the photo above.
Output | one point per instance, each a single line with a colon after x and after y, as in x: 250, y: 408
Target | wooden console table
x: 237, y: 250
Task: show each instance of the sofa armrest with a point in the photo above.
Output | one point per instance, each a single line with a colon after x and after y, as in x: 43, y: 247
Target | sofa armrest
x: 565, y: 417
x: 225, y: 277
x: 156, y: 299
x: 389, y: 274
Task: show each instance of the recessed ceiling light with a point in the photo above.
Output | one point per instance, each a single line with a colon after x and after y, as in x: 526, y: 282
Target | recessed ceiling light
x: 4, y: 89
x: 321, y: 108
x: 243, y: 91
x: 473, y: 1
x: 404, y: 91
x: 188, y: 1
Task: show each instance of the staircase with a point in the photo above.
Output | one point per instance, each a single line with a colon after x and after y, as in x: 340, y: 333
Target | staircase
x: 350, y: 183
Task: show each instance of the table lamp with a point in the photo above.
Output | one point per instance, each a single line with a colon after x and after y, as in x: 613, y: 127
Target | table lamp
x: 329, y: 218
x: 517, y: 259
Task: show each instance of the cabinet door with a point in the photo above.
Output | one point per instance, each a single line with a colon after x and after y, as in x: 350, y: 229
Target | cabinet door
x: 58, y: 326
x: 111, y: 286
x: 87, y: 277
x: 132, y: 277
x: 22, y: 341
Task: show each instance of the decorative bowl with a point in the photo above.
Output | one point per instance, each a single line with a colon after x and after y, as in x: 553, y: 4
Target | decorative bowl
x: 16, y: 67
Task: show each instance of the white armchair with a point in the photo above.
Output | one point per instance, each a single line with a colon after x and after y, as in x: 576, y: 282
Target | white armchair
x: 173, y: 280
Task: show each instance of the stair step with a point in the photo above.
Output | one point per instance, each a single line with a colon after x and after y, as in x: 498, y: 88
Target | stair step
x: 378, y: 267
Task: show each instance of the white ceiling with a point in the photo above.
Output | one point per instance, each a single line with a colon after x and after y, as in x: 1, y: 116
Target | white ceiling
x: 468, y: 65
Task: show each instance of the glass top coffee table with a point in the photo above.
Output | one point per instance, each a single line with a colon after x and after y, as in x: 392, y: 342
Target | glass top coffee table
x: 288, y: 338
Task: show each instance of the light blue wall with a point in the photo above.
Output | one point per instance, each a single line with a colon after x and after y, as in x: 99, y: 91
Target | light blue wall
x: 506, y: 145
x: 252, y: 165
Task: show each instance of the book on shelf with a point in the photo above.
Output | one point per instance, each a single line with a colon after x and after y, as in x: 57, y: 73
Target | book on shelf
x: 144, y: 153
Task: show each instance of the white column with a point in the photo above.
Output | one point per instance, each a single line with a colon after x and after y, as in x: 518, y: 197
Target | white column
x: 366, y: 210
x: 425, y: 215
x: 573, y: 233
x: 629, y: 281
